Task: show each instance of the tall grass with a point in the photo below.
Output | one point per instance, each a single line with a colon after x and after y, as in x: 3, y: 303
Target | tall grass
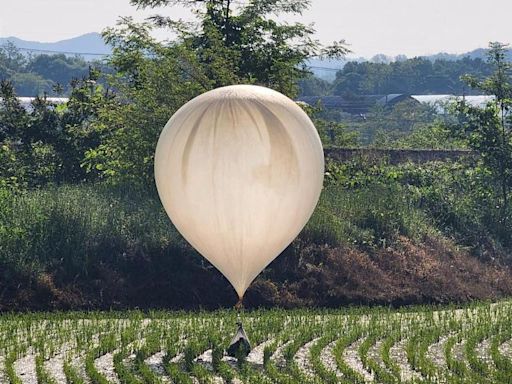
x: 74, y: 227
x: 366, y: 217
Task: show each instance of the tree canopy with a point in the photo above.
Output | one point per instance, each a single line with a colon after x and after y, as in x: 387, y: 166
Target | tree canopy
x: 488, y: 132
x: 410, y: 76
x: 229, y: 43
x: 35, y: 75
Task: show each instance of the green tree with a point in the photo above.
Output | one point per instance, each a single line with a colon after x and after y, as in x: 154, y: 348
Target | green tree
x: 78, y: 117
x: 28, y: 140
x: 411, y: 76
x: 14, y: 59
x: 30, y: 84
x: 428, y: 136
x: 47, y: 142
x: 59, y: 69
x: 227, y: 44
x: 313, y: 86
x: 384, y: 126
x: 13, y: 116
x: 487, y: 131
x: 332, y: 133
x: 152, y: 82
x: 242, y: 42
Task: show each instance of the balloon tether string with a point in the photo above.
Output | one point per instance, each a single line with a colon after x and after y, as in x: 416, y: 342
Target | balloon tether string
x: 239, y: 306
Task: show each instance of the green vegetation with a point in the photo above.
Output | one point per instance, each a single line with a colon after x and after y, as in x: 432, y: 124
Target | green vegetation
x: 416, y: 76
x: 41, y: 74
x: 81, y: 225
x: 487, y: 131
x: 356, y: 345
x: 412, y: 76
x: 103, y: 245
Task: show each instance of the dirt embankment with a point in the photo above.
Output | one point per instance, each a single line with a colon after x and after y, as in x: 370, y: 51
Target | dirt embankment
x: 405, y: 273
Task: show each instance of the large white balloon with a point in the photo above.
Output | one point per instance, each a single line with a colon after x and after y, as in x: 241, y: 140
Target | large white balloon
x: 239, y: 171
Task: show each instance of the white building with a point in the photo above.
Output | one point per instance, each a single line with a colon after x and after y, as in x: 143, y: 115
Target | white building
x: 26, y: 102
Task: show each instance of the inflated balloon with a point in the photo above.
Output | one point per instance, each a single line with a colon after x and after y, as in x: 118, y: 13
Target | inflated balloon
x: 239, y: 171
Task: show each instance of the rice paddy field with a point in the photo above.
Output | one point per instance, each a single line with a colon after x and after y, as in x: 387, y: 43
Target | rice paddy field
x: 472, y: 344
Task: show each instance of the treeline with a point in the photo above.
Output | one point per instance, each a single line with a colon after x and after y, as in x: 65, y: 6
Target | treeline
x: 52, y: 74
x: 33, y: 75
x: 411, y: 76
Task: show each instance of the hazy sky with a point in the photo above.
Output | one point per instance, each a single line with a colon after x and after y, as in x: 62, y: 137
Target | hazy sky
x: 411, y: 27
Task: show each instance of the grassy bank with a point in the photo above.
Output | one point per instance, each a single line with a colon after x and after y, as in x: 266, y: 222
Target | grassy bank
x: 380, y: 234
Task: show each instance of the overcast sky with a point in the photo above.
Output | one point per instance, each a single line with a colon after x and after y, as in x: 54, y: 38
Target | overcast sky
x: 392, y: 27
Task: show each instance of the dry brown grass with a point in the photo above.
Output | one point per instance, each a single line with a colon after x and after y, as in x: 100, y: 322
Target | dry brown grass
x: 406, y: 273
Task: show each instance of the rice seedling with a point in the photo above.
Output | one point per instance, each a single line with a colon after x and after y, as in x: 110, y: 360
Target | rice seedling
x: 356, y: 345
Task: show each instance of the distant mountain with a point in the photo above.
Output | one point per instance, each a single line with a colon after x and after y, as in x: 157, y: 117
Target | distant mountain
x: 90, y: 45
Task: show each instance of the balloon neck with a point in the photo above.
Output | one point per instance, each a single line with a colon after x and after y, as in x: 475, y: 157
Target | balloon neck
x: 239, y: 305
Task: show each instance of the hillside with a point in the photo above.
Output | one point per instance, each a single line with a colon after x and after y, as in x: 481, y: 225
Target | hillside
x: 90, y: 45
